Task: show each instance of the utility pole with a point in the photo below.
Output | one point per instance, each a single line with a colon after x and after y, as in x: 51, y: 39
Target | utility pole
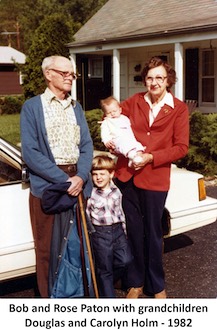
x: 18, y: 35
x: 9, y: 34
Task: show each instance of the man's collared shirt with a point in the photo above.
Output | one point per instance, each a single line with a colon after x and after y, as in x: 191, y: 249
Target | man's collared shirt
x: 154, y: 110
x: 104, y: 207
x: 62, y: 130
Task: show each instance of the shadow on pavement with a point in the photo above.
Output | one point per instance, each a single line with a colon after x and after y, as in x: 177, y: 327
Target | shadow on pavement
x: 176, y: 242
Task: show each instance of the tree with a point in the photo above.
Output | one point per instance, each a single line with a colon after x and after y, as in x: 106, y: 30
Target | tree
x: 83, y: 10
x: 45, y: 27
x: 26, y: 16
x: 9, y: 13
x: 50, y: 39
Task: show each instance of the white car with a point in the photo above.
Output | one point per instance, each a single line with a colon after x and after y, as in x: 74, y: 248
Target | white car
x: 17, y: 254
x: 187, y: 204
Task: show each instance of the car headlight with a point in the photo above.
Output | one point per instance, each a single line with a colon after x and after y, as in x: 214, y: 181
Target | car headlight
x: 201, y: 189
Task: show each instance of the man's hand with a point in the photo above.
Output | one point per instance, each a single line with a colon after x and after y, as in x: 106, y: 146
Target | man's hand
x: 76, y: 185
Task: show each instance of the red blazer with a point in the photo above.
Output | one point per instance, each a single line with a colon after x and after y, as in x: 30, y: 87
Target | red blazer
x: 167, y: 139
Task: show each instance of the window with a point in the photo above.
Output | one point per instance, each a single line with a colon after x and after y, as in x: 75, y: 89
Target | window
x: 8, y: 169
x: 208, y: 76
x: 95, y: 68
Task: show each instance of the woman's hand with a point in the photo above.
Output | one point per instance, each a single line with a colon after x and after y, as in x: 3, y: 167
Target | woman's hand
x: 144, y: 158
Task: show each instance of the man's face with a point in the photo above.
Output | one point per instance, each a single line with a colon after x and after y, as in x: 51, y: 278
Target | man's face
x: 60, y: 76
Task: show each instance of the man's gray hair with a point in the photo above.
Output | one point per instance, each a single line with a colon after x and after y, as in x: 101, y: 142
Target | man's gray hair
x: 48, y: 62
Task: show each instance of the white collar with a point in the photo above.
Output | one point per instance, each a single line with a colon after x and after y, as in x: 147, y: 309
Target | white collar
x: 167, y: 99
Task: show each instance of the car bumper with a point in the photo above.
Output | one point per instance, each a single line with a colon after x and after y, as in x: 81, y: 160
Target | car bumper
x: 188, y: 219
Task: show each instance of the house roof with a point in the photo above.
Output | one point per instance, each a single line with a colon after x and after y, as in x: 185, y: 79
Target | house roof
x: 129, y: 19
x: 8, y: 55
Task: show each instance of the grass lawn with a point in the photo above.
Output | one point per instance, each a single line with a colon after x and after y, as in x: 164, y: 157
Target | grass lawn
x: 10, y: 128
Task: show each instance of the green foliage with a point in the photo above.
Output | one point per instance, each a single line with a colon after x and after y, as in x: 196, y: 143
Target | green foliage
x: 10, y: 128
x: 202, y: 155
x: 28, y: 15
x: 42, y: 46
x: 32, y: 15
x: 44, y: 28
x: 84, y: 9
x: 93, y: 118
x: 11, y: 104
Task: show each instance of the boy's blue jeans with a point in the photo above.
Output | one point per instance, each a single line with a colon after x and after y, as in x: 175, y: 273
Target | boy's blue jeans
x: 112, y: 255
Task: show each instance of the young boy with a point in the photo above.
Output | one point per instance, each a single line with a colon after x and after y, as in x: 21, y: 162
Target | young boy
x: 110, y: 245
x: 116, y: 131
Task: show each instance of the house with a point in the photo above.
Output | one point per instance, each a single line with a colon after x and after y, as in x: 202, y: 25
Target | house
x: 111, y: 49
x: 10, y: 78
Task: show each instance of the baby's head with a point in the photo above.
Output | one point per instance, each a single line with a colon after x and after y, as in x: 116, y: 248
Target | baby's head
x: 110, y: 107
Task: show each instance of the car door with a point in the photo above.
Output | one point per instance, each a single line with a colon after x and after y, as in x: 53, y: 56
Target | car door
x: 17, y: 256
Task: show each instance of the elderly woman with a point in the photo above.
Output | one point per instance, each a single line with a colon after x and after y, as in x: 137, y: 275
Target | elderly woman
x: 160, y: 122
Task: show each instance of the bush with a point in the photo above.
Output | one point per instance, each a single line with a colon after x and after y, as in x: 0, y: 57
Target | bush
x: 93, y: 117
x: 202, y: 155
x: 11, y: 104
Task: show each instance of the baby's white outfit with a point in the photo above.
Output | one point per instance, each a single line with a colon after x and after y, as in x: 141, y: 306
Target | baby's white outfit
x: 120, y: 132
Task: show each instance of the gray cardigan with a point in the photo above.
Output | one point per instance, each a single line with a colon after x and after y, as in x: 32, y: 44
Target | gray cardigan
x: 37, y: 154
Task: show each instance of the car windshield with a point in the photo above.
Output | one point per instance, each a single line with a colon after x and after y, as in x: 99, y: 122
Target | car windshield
x: 10, y: 170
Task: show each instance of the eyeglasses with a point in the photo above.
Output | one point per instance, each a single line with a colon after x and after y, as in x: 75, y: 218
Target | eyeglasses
x: 65, y: 74
x: 158, y: 79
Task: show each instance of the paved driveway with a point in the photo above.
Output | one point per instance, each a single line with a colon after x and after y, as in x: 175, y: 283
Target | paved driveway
x: 191, y: 264
x: 191, y: 261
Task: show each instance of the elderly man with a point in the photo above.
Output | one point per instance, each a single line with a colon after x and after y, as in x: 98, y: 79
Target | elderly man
x: 57, y: 148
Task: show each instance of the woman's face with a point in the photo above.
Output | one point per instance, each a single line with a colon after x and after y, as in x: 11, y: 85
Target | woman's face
x: 156, y: 83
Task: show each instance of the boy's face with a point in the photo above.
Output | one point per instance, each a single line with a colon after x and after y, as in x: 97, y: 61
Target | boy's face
x: 112, y: 110
x: 102, y: 178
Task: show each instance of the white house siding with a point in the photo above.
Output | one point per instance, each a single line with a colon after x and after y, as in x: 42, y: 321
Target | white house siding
x: 134, y: 53
x: 132, y: 58
x: 135, y: 56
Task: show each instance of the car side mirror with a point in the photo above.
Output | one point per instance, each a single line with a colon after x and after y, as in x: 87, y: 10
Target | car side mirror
x: 25, y: 173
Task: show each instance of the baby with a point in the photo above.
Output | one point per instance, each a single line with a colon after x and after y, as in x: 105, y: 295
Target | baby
x: 116, y: 132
